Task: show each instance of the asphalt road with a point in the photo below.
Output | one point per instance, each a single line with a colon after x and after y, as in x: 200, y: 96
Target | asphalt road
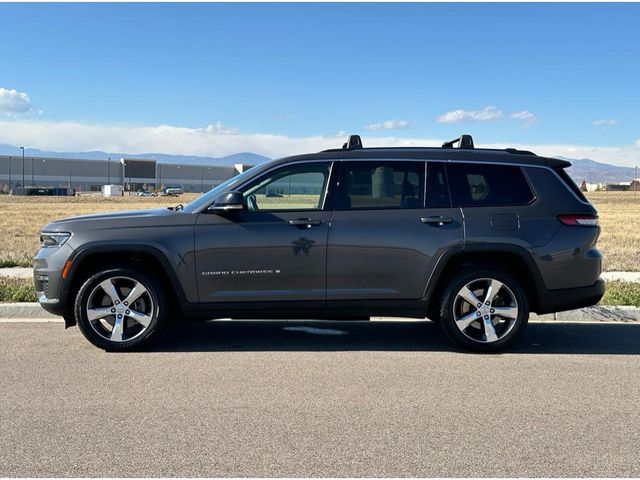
x: 366, y: 399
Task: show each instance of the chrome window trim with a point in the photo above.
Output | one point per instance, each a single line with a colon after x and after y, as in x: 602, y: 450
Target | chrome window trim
x: 417, y: 159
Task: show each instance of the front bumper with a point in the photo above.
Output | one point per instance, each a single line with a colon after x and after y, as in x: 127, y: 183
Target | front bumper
x: 550, y: 301
x: 48, y: 265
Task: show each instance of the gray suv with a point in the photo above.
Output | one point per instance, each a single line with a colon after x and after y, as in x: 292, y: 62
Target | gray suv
x: 471, y: 238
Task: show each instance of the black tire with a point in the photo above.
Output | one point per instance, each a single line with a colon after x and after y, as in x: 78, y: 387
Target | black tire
x: 153, y: 302
x: 474, y: 336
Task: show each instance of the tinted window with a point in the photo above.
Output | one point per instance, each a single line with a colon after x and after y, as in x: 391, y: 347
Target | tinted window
x: 382, y: 185
x: 488, y: 184
x: 570, y: 183
x: 298, y: 187
x: 437, y: 189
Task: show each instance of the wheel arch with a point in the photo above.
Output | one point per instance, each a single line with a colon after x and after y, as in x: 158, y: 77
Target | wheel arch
x: 92, y: 258
x: 513, y: 259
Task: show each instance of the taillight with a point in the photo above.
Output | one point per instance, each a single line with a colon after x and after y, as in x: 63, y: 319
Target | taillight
x: 589, y: 220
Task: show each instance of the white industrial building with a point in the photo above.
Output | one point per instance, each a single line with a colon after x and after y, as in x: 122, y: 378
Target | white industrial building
x: 86, y: 175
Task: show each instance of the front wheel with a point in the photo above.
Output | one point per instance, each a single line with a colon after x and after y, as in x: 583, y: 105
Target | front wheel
x: 120, y: 309
x: 484, y: 309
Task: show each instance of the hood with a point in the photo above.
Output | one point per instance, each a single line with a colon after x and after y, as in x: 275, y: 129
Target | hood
x: 123, y: 215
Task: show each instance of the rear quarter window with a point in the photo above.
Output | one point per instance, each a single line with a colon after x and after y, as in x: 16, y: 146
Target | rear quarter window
x: 570, y: 183
x: 488, y: 185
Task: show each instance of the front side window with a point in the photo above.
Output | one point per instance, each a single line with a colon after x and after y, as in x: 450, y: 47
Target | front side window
x: 488, y: 185
x: 381, y: 184
x: 295, y: 187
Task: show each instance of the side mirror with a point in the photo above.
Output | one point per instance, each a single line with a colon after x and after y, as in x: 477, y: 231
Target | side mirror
x: 230, y: 201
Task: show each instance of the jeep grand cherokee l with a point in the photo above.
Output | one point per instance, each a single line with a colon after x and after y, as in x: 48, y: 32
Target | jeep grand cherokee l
x: 474, y: 239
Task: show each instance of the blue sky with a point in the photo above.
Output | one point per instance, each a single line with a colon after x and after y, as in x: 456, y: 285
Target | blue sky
x: 284, y: 78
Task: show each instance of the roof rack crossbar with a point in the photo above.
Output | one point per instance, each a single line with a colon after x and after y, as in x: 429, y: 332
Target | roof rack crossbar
x: 463, y: 141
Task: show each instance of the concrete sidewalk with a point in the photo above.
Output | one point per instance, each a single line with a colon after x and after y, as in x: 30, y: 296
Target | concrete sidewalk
x: 16, y: 272
x: 623, y: 276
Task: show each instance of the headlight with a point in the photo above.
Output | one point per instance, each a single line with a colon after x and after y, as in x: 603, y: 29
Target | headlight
x: 53, y: 239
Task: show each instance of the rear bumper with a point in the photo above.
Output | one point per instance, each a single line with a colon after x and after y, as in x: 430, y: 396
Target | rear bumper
x: 550, y: 301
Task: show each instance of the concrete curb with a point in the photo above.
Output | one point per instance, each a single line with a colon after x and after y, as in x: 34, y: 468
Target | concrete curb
x: 599, y: 313
x: 25, y: 310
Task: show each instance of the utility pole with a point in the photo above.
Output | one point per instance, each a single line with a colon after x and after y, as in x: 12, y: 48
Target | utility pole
x: 109, y: 171
x: 123, y: 178
x: 636, y: 184
x: 202, y: 180
x: 22, y: 170
x: 33, y: 183
x: 160, y: 175
x: 9, y: 173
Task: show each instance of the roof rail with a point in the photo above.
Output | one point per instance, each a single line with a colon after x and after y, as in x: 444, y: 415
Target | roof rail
x: 515, y: 151
x: 353, y: 143
x: 463, y: 141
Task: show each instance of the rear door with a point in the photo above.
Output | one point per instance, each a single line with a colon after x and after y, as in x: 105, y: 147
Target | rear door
x: 391, y: 223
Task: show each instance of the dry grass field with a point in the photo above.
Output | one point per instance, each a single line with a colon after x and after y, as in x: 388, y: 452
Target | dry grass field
x: 21, y: 219
x: 620, y: 222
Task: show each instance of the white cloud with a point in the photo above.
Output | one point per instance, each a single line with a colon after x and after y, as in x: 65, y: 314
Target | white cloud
x: 488, y: 114
x: 599, y: 123
x: 207, y: 141
x: 526, y: 116
x: 13, y: 102
x: 392, y: 124
x: 220, y: 128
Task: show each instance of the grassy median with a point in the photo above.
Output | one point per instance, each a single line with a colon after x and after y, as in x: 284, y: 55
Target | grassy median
x: 617, y: 293
x: 17, y: 290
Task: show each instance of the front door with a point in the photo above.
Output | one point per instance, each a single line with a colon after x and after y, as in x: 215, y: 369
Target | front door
x: 273, y: 250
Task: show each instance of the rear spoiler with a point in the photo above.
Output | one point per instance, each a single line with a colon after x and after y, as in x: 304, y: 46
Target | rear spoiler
x: 557, y: 163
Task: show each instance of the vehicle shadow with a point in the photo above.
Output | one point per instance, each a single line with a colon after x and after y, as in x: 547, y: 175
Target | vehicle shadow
x: 267, y: 335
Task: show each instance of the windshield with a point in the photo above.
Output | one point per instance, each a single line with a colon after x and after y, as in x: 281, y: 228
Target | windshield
x: 210, y: 196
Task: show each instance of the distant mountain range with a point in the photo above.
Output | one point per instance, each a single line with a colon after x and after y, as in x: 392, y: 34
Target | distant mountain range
x: 229, y: 160
x: 581, y: 169
x: 596, y: 172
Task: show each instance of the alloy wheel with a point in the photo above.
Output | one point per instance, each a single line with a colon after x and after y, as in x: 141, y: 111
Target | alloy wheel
x: 120, y: 309
x: 485, y: 310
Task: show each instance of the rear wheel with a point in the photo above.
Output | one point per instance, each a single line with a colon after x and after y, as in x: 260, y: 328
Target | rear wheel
x: 120, y: 309
x: 484, y: 309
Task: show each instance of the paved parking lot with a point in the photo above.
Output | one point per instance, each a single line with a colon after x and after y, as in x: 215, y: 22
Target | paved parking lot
x: 320, y: 399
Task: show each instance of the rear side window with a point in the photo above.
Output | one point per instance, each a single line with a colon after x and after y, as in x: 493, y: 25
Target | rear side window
x: 381, y: 184
x: 487, y: 185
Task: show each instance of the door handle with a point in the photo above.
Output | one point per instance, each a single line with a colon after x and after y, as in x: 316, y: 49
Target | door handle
x: 305, y: 223
x: 436, y: 220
